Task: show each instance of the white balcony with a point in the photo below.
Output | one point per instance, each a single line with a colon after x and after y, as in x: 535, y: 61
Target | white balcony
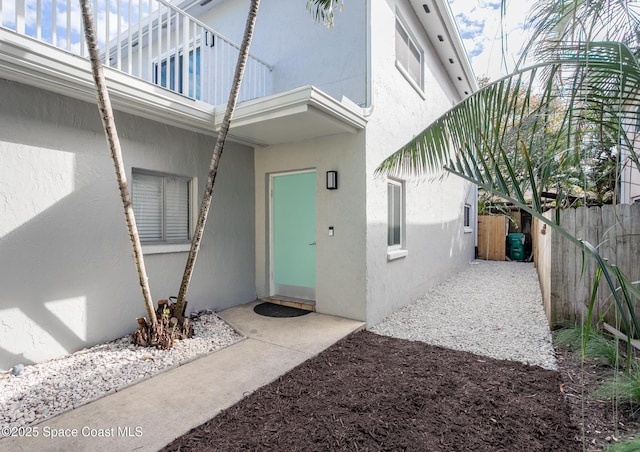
x: 164, y: 65
x: 151, y: 40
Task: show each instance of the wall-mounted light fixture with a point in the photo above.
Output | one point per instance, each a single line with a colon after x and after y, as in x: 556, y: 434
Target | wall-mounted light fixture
x: 332, y: 180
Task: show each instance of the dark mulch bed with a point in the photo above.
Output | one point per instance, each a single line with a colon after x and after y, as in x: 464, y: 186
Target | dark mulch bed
x: 371, y: 392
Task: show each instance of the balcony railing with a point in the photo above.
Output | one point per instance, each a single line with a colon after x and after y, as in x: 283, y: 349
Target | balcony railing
x: 148, y: 39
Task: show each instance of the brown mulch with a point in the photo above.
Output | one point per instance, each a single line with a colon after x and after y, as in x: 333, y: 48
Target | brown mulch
x: 372, y: 392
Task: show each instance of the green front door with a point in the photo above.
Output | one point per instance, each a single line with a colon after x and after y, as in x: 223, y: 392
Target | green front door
x: 294, y: 235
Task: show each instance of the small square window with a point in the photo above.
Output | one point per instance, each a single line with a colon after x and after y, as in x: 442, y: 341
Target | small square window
x: 162, y: 206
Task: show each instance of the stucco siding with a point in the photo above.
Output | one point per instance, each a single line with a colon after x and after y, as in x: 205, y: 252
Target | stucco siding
x: 340, y: 276
x: 301, y: 51
x: 66, y: 270
x: 435, y: 239
x: 67, y: 278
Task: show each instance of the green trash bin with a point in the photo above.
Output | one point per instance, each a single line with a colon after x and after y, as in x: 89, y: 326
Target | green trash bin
x: 515, y: 246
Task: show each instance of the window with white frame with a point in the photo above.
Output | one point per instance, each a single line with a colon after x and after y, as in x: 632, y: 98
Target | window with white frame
x: 467, y: 216
x: 409, y: 56
x: 162, y: 206
x: 395, y: 224
x: 168, y: 73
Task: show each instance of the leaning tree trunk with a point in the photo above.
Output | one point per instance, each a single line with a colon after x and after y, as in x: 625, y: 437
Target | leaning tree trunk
x: 215, y: 158
x: 104, y: 105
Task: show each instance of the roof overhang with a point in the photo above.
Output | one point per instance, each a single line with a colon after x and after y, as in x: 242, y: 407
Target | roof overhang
x: 296, y: 115
x: 440, y: 25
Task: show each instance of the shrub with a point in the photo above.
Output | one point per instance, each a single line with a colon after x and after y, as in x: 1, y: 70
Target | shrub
x: 622, y: 387
x: 599, y: 348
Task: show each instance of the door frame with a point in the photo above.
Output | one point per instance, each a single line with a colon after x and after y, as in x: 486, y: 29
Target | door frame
x: 272, y: 176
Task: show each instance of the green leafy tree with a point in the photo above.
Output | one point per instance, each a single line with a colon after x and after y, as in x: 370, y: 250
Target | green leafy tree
x: 602, y: 174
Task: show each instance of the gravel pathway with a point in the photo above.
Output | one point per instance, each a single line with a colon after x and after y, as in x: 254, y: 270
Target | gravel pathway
x: 52, y: 387
x: 491, y: 308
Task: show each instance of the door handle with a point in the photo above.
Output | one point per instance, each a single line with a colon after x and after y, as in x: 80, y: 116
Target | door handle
x: 312, y: 244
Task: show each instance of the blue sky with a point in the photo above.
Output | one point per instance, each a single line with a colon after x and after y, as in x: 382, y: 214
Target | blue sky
x: 479, y: 24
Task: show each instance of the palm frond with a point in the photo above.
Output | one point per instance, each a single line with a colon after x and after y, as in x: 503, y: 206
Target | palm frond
x: 557, y: 22
x: 560, y: 102
x: 323, y: 10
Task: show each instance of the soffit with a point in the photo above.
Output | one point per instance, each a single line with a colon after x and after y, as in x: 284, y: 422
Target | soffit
x: 440, y: 26
x: 300, y: 114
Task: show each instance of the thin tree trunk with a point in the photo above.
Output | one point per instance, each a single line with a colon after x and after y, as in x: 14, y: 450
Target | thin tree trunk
x: 217, y: 153
x: 104, y: 105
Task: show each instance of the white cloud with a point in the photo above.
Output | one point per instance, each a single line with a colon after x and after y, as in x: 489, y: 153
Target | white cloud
x: 482, y: 29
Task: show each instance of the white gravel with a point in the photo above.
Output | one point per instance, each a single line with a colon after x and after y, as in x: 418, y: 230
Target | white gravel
x: 491, y: 308
x: 49, y: 388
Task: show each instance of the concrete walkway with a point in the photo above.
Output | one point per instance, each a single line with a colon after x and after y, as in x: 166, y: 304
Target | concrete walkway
x: 149, y: 415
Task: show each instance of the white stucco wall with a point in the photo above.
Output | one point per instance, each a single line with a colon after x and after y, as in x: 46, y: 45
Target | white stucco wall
x: 354, y: 277
x: 67, y: 277
x: 301, y: 51
x: 436, y: 242
x: 630, y: 175
x: 340, y: 271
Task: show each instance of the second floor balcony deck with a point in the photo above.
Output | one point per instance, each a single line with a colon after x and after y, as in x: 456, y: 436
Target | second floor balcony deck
x: 151, y: 40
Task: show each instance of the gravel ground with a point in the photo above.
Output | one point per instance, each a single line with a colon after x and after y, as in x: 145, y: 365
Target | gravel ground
x: 49, y: 388
x: 491, y: 308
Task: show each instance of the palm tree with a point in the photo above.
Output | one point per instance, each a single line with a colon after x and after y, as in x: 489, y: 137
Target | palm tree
x: 215, y: 159
x: 557, y: 22
x: 321, y: 10
x: 108, y: 122
x: 586, y: 67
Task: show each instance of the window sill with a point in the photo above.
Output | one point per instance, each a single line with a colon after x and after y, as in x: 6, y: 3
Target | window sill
x: 392, y: 255
x: 411, y: 81
x: 165, y: 248
x: 468, y: 230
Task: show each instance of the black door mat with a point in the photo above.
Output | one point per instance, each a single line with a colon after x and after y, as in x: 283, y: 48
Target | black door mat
x: 276, y: 310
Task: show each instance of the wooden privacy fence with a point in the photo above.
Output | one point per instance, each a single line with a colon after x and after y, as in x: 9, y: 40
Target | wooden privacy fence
x: 566, y: 289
